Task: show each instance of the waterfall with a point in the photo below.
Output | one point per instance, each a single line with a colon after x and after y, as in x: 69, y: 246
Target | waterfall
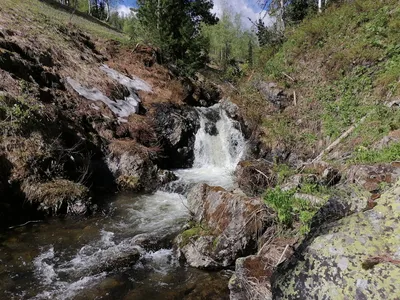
x: 219, y: 147
x: 81, y: 260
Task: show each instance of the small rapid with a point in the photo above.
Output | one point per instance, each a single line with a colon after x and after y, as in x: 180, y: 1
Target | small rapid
x: 125, y: 253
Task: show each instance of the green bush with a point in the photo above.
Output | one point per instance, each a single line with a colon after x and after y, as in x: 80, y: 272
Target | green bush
x: 290, y: 209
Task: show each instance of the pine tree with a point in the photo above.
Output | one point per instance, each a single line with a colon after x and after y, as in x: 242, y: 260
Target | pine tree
x: 174, y: 27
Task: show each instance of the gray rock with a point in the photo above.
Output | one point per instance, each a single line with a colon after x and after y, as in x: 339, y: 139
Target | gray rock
x: 272, y: 93
x: 132, y: 168
x: 176, y: 128
x: 353, y: 258
x: 231, y: 108
x: 227, y: 226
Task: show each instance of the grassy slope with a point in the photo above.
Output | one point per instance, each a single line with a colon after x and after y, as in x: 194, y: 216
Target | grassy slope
x: 42, y: 16
x: 346, y: 64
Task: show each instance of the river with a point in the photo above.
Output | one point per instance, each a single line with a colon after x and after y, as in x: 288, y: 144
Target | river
x: 97, y: 257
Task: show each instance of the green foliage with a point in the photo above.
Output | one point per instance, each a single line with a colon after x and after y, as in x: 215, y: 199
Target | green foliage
x: 344, y: 101
x: 282, y: 171
x: 387, y: 154
x: 289, y: 209
x: 16, y: 113
x: 174, y: 27
x: 230, y: 42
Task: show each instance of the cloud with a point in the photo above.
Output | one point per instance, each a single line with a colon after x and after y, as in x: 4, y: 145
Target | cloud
x: 123, y: 10
x: 247, y: 8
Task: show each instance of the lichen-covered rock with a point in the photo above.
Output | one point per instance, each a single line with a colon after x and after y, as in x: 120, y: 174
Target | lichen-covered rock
x: 59, y: 196
x: 356, y: 257
x: 255, y: 176
x: 227, y: 226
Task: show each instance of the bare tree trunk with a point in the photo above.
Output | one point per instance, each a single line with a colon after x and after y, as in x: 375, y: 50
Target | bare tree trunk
x: 108, y: 10
x: 90, y: 6
x: 282, y: 12
x: 319, y: 6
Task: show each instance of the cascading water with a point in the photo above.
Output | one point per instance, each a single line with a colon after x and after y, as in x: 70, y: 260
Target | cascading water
x: 85, y: 259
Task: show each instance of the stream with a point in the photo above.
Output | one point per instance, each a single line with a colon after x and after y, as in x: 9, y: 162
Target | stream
x: 98, y: 257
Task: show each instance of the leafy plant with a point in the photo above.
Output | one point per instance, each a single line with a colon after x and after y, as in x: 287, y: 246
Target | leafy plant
x: 290, y: 209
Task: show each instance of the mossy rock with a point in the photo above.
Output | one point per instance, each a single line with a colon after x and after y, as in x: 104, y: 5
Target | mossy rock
x: 356, y: 257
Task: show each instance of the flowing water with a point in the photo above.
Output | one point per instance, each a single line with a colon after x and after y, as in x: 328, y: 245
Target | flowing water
x: 97, y: 257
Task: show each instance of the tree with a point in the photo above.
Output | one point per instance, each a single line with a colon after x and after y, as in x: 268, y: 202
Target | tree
x: 173, y: 26
x: 229, y: 40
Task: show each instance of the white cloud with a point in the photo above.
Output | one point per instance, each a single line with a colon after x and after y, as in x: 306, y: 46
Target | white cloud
x: 244, y: 8
x: 123, y: 10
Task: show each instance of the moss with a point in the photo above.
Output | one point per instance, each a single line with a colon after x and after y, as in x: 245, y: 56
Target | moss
x: 193, y: 234
x: 127, y: 182
x: 388, y: 154
x: 189, y: 234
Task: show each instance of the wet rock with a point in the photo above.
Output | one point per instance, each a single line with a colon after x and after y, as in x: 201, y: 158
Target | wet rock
x: 132, y: 166
x: 176, y: 129
x: 226, y: 227
x: 231, y: 108
x: 59, y: 196
x: 274, y: 94
x: 255, y: 176
x: 356, y: 257
x: 165, y: 176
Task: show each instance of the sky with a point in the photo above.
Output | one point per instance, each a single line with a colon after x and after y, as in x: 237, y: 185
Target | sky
x: 247, y: 8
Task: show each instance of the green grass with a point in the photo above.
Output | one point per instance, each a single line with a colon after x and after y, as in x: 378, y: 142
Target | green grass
x: 346, y: 65
x: 386, y: 155
x: 44, y: 17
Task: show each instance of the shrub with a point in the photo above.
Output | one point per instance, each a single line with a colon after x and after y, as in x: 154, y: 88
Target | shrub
x: 290, y: 209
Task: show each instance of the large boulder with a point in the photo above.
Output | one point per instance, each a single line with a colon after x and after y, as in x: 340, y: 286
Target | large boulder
x: 255, y: 176
x: 356, y: 257
x: 176, y: 127
x: 226, y: 226
x: 132, y: 166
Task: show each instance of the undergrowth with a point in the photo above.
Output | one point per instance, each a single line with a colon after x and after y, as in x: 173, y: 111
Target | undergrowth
x: 385, y: 155
x: 290, y: 209
x: 343, y: 64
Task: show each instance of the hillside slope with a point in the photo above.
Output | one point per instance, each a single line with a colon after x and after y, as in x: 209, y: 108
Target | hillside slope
x: 58, y: 149
x: 334, y: 69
